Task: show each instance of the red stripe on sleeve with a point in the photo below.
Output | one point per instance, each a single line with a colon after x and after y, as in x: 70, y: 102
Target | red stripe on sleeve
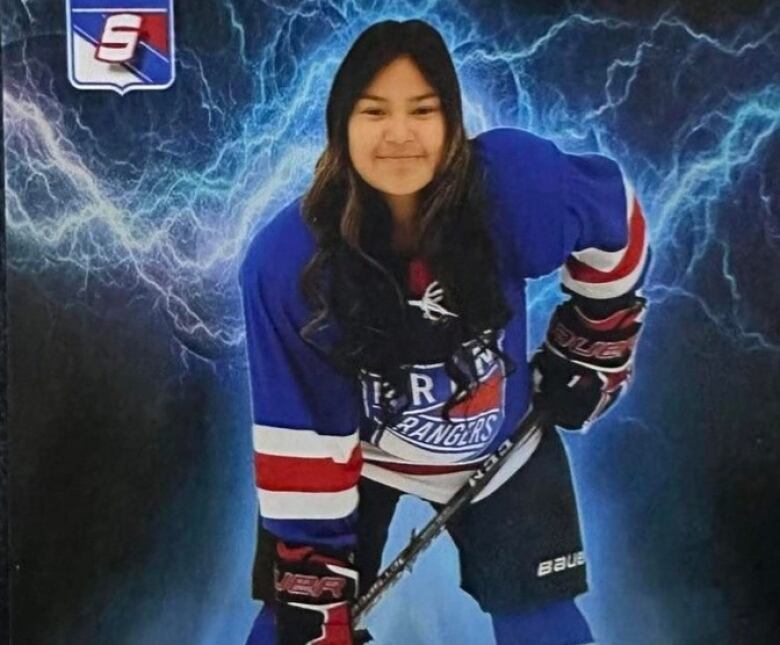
x: 636, y: 243
x: 306, y: 475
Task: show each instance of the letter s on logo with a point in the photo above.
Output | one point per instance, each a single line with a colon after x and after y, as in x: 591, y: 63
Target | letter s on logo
x: 119, y: 38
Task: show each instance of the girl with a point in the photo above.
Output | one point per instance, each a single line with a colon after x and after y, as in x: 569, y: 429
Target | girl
x: 386, y: 335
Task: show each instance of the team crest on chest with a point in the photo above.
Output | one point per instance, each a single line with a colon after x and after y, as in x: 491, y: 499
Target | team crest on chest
x: 120, y: 45
x: 422, y: 433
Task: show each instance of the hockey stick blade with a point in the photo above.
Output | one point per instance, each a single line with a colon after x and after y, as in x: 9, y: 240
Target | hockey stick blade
x: 534, y: 422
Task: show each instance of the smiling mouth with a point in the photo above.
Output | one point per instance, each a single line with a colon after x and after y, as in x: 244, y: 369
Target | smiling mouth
x: 399, y: 157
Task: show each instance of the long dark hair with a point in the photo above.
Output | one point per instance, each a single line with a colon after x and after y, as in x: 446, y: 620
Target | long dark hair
x: 355, y: 278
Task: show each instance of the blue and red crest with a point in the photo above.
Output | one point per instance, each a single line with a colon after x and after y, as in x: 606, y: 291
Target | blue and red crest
x: 422, y: 435
x: 120, y: 45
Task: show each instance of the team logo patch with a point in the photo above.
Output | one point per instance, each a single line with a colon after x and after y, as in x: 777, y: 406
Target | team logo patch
x: 422, y: 433
x: 120, y: 45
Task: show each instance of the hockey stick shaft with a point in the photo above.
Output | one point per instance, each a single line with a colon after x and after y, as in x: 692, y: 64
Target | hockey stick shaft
x: 534, y: 422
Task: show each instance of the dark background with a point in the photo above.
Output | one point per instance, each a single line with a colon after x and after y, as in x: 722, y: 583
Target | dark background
x: 131, y: 496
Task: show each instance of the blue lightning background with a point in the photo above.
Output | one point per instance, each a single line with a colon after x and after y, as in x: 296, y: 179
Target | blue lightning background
x: 142, y: 205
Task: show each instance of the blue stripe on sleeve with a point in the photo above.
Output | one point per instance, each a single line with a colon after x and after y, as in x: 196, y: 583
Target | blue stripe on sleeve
x: 337, y: 534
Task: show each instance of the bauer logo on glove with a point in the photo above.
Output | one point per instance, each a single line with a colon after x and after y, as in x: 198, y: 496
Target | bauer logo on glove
x: 565, y: 339
x: 585, y: 362
x: 314, y: 590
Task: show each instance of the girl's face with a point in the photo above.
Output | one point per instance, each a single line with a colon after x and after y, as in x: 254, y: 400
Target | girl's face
x: 396, y: 130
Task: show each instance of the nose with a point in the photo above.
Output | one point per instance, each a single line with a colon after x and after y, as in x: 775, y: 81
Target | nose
x: 398, y: 129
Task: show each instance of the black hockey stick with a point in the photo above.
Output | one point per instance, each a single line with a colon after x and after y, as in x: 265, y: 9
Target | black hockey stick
x: 535, y: 421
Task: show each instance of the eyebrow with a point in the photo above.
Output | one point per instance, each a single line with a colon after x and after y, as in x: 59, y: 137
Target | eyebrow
x: 421, y: 97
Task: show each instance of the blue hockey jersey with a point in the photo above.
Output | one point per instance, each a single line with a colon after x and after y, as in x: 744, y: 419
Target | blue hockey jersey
x: 316, y: 432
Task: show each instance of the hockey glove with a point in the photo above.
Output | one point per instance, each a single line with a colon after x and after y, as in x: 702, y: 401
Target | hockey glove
x: 586, y: 360
x: 314, y: 592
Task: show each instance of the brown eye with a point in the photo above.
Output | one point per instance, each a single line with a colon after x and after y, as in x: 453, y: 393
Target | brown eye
x: 372, y: 111
x: 425, y: 110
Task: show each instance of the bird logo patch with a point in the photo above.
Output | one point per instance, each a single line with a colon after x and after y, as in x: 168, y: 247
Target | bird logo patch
x: 120, y: 45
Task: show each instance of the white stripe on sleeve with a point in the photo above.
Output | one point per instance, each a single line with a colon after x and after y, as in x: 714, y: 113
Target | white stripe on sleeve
x: 603, y: 290
x: 307, y: 506
x: 287, y: 442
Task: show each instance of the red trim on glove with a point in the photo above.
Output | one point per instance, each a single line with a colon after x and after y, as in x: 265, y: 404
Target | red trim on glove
x: 300, y: 553
x: 618, y: 320
x: 337, y: 629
